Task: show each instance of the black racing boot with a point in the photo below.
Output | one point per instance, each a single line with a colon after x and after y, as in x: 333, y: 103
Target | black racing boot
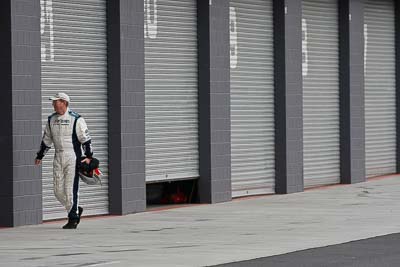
x: 80, y: 210
x: 71, y: 224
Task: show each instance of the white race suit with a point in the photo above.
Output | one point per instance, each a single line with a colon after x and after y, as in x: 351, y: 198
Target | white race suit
x: 69, y: 134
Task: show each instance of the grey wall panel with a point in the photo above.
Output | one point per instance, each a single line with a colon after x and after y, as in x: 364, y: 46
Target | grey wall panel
x: 352, y: 121
x: 321, y: 92
x: 252, y: 97
x: 397, y: 44
x: 380, y: 88
x: 125, y: 67
x: 6, y: 138
x: 20, y: 183
x: 214, y: 107
x: 74, y: 61
x: 288, y: 97
x: 171, y: 91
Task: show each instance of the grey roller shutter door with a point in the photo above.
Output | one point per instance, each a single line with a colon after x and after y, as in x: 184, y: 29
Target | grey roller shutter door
x: 252, y: 97
x: 171, y: 112
x: 380, y: 88
x: 74, y: 61
x: 321, y: 92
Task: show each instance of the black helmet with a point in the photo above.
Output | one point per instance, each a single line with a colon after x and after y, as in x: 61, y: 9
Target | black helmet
x: 90, y: 173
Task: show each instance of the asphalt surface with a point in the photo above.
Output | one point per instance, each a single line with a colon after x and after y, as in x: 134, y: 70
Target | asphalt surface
x: 312, y: 228
x: 379, y: 251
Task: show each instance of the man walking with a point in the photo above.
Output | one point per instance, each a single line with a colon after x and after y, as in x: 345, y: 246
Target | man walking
x: 68, y: 132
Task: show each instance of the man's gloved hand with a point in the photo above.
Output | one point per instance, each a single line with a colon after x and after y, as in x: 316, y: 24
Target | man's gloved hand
x: 86, y: 160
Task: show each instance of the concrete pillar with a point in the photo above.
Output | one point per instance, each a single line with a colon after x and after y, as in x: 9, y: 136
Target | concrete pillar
x: 352, y: 120
x: 127, y: 186
x: 214, y: 101
x: 288, y: 97
x: 20, y: 106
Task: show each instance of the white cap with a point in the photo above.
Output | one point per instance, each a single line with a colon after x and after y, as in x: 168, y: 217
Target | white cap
x: 62, y: 96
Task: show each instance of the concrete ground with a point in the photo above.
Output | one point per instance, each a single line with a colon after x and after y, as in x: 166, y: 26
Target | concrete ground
x: 205, y: 235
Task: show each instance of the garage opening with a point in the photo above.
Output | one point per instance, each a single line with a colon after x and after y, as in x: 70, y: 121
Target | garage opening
x: 172, y: 193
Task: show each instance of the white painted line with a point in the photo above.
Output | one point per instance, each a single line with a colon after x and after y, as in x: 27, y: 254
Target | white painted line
x: 103, y: 263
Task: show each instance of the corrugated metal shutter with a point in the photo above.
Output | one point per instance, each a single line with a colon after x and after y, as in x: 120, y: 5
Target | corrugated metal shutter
x: 171, y: 126
x: 321, y: 92
x: 380, y: 88
x: 74, y: 58
x: 252, y: 97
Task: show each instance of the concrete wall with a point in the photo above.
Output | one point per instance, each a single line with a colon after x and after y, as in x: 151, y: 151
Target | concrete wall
x: 397, y: 28
x: 214, y: 101
x: 288, y: 97
x: 20, y: 106
x: 352, y: 120
x: 127, y: 187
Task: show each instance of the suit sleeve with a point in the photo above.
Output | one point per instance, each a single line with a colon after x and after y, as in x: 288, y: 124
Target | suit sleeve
x: 84, y: 138
x: 47, y: 142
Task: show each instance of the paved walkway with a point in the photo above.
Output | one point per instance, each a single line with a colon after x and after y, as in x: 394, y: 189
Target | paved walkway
x: 213, y: 234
